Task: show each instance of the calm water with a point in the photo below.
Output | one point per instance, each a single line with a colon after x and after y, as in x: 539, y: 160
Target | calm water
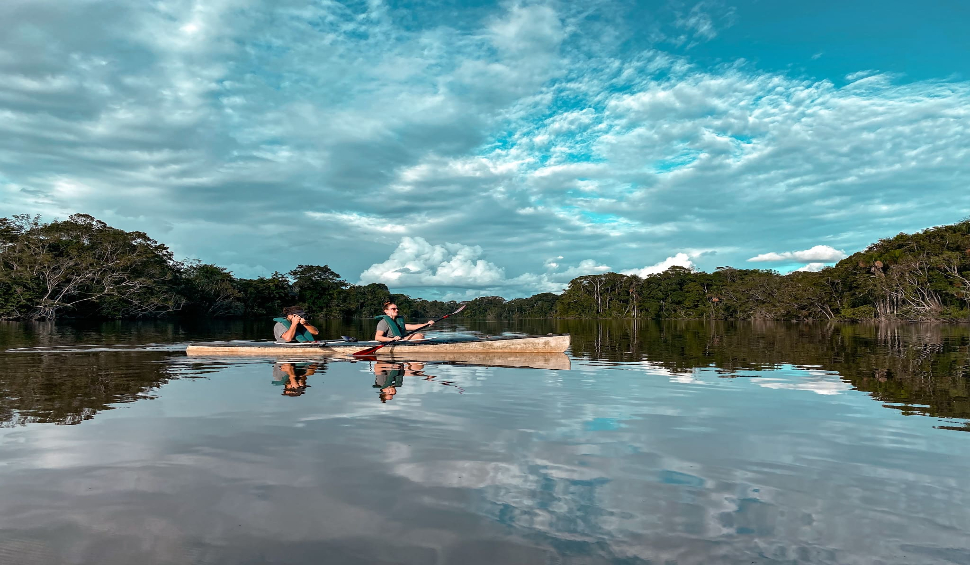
x: 662, y: 443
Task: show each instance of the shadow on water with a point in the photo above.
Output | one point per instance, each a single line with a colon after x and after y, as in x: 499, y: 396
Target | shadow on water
x: 917, y: 369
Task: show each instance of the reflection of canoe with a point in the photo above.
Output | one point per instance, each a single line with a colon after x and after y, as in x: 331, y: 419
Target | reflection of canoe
x: 554, y: 361
x: 441, y: 349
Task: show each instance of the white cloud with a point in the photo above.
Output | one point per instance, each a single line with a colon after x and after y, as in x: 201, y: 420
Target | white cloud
x: 440, y: 269
x: 358, y: 221
x: 533, y: 130
x: 819, y: 382
x: 678, y: 260
x: 812, y: 267
x: 818, y: 254
x: 698, y: 24
x: 416, y: 262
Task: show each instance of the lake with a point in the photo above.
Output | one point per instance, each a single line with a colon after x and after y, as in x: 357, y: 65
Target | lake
x: 663, y: 443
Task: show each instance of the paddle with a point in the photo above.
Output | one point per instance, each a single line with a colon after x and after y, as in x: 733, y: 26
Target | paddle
x: 375, y: 348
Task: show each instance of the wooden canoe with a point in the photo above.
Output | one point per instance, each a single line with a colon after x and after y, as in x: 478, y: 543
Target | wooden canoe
x: 440, y: 349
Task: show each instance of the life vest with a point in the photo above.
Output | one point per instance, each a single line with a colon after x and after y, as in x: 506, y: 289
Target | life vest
x: 302, y: 335
x: 396, y: 326
x: 393, y: 377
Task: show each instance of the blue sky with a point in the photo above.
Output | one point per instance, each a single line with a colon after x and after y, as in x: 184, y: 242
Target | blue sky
x: 467, y: 148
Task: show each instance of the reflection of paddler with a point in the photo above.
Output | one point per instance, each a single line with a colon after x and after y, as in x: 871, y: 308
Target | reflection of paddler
x: 292, y: 376
x: 389, y: 376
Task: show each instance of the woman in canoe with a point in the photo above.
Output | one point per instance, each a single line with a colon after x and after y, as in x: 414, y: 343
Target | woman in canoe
x: 392, y: 326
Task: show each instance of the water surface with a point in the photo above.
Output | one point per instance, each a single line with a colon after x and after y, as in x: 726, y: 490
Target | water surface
x: 663, y: 443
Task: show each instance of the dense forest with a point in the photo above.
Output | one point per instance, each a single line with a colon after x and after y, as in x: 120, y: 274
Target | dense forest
x: 84, y: 268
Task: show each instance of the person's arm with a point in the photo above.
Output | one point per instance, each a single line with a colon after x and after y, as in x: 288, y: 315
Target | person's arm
x: 290, y: 334
x: 410, y: 327
x: 309, y: 328
x: 379, y: 336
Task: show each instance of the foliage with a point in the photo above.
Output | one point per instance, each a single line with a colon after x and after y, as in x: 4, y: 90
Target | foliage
x: 82, y: 267
x: 211, y: 290
x: 319, y: 289
x: 922, y: 276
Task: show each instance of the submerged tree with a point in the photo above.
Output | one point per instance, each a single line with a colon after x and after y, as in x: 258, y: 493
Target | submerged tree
x: 82, y: 266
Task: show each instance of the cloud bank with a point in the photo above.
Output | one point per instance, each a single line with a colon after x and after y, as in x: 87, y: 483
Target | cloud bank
x: 453, y: 270
x: 417, y: 263
x: 817, y: 254
x: 678, y: 260
x: 266, y: 135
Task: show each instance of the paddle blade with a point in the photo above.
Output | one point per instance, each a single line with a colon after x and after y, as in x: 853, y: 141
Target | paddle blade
x: 368, y: 351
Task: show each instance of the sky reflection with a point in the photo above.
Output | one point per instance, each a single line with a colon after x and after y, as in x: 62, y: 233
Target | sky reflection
x: 606, y: 462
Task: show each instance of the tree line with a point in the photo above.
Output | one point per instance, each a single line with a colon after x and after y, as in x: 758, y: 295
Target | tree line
x: 83, y: 268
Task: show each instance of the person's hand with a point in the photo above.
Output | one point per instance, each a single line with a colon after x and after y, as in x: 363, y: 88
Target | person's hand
x: 430, y: 323
x: 396, y: 338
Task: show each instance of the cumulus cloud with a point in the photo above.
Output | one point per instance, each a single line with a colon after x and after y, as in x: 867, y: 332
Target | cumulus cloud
x: 678, y: 260
x: 812, y: 267
x: 416, y: 262
x: 442, y: 269
x: 816, y: 255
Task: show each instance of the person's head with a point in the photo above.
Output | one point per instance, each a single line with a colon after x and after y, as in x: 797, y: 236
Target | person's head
x: 294, y: 311
x: 387, y: 393
x: 390, y: 308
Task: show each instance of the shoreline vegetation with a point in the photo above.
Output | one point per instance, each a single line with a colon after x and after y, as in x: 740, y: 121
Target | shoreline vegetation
x: 916, y: 369
x: 82, y: 268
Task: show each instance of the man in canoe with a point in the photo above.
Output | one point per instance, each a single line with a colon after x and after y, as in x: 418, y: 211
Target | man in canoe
x: 294, y: 327
x: 389, y: 376
x: 292, y: 376
x: 392, y: 326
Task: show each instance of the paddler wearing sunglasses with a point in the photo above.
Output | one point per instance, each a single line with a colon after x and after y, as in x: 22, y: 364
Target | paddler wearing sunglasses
x: 392, y: 327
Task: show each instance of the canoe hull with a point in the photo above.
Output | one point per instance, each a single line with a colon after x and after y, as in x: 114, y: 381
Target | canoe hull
x: 426, y: 349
